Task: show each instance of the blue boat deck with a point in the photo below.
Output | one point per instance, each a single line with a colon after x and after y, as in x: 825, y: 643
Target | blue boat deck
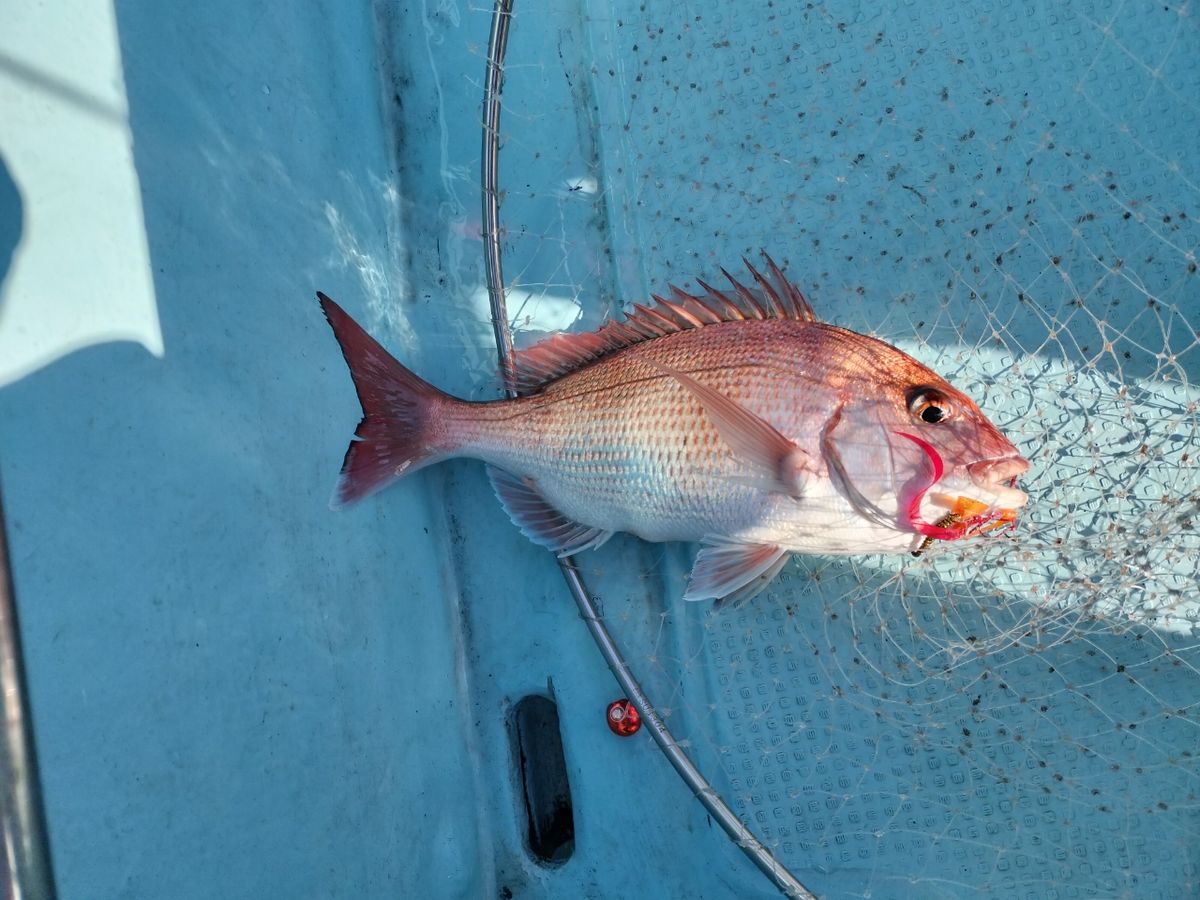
x: 238, y: 692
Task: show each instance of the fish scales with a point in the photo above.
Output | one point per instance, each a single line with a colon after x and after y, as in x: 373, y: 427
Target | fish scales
x: 621, y: 445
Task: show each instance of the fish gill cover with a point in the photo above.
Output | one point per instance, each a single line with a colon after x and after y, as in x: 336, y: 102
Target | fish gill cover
x: 1010, y: 192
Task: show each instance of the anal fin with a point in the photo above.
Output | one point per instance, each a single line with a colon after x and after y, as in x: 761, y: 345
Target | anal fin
x: 733, y: 571
x: 538, y: 520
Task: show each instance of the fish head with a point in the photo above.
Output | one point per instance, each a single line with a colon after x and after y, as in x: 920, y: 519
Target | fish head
x: 928, y: 459
x: 962, y: 476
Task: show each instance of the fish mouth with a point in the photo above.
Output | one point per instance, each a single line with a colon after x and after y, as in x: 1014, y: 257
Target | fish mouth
x: 960, y: 512
x: 949, y: 492
x: 982, y: 498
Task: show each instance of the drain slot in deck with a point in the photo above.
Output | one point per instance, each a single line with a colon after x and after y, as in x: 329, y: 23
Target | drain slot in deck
x: 545, y: 791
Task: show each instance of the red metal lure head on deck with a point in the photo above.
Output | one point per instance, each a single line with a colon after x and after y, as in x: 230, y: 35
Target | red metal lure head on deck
x: 623, y: 718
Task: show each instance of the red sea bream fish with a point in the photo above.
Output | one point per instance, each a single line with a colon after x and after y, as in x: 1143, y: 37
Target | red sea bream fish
x: 733, y: 418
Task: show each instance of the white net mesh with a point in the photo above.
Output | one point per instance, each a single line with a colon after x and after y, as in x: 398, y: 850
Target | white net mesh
x: 1010, y: 192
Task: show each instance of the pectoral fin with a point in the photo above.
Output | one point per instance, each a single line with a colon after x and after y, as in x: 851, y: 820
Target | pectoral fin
x: 734, y: 571
x: 756, y: 586
x: 751, y: 438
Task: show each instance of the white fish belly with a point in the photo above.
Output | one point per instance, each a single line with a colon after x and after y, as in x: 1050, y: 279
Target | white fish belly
x: 822, y: 521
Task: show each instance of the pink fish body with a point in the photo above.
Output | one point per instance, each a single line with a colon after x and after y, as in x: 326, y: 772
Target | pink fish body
x: 735, y: 419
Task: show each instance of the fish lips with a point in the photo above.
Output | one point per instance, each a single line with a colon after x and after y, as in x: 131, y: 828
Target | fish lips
x: 949, y: 493
x: 948, y: 505
x: 981, y: 496
x: 998, y: 470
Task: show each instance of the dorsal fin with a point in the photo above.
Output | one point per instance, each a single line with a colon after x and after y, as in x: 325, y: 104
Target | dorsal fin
x: 775, y: 298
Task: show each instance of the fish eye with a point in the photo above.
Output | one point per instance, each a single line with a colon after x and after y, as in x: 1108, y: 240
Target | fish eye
x: 929, y: 405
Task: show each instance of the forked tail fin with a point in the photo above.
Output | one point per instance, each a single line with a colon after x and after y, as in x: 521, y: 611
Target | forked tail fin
x: 393, y: 439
